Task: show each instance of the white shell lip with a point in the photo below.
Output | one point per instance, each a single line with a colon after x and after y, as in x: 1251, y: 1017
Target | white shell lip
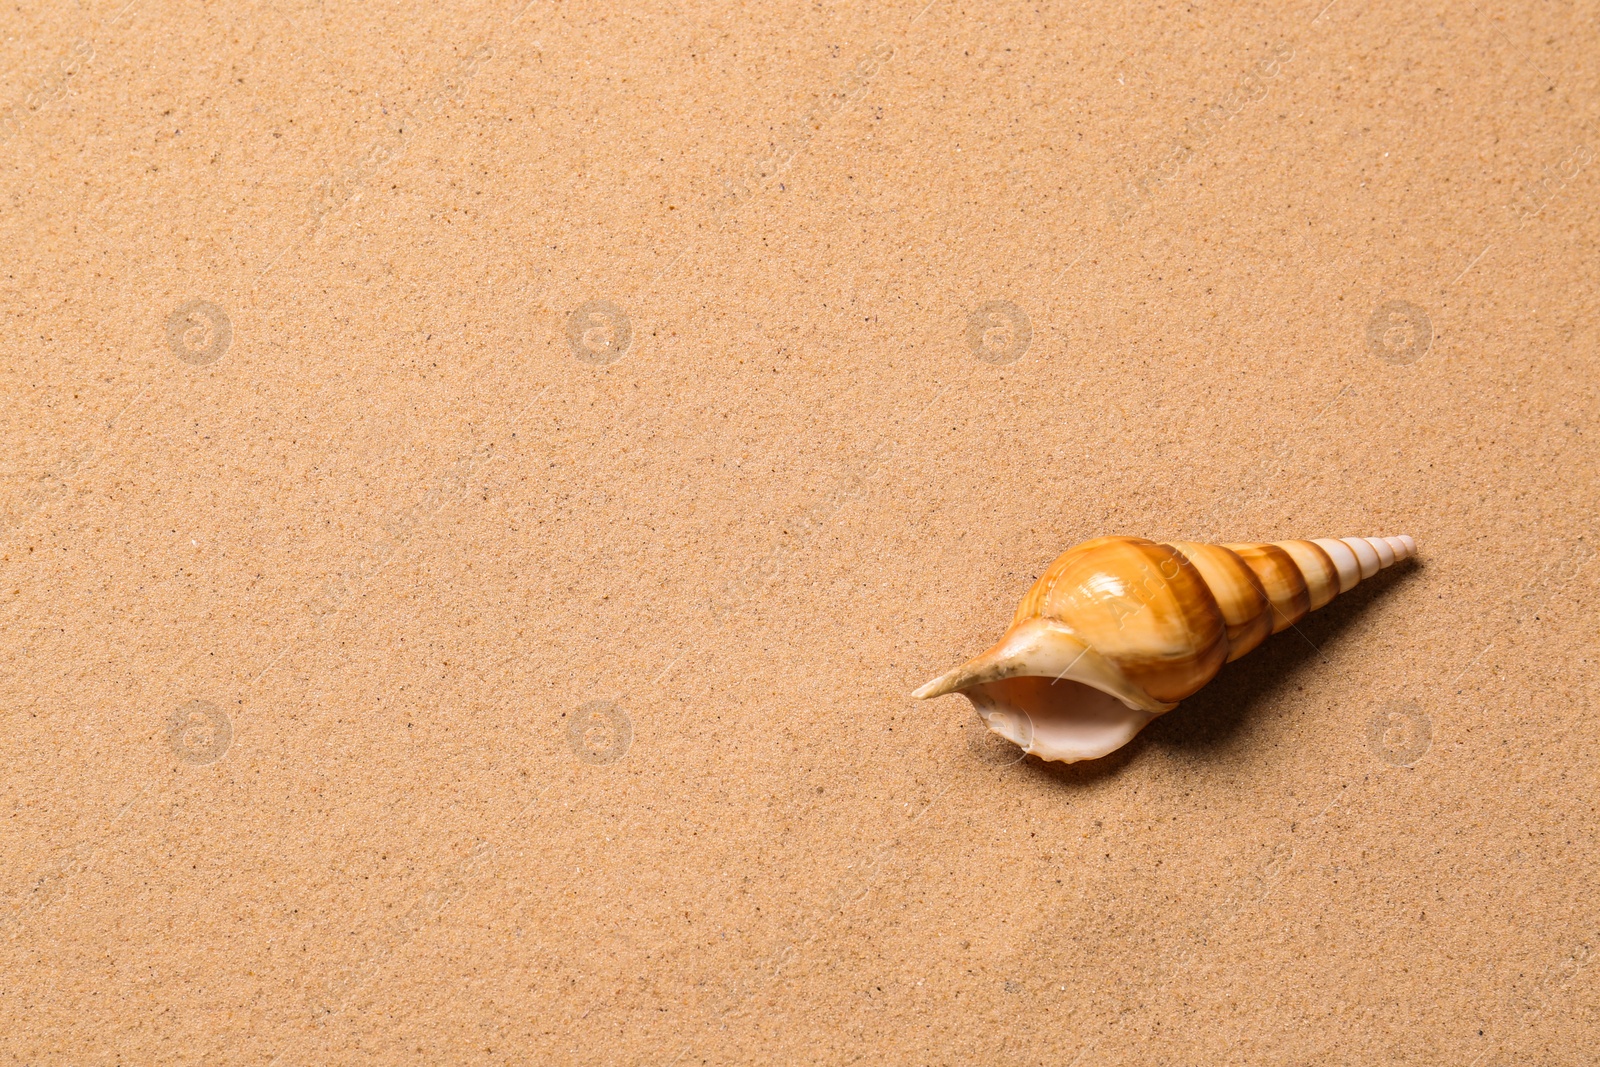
x: 1040, y: 648
x: 1086, y: 709
x: 1013, y: 725
x: 1086, y: 723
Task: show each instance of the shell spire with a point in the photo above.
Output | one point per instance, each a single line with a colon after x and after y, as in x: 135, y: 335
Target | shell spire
x: 1119, y: 629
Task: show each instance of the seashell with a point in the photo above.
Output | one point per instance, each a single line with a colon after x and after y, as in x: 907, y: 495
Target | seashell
x: 1119, y: 629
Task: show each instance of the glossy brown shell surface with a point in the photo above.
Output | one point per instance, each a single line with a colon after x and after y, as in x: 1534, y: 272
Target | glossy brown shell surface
x: 1140, y: 604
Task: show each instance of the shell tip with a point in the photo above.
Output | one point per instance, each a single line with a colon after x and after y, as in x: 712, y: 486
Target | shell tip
x: 1404, y: 546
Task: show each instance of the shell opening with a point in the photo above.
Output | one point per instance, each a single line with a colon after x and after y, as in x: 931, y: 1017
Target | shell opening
x: 1044, y: 689
x: 1057, y: 718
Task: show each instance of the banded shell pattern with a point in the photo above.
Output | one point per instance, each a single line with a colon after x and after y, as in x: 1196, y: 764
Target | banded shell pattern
x: 1119, y: 629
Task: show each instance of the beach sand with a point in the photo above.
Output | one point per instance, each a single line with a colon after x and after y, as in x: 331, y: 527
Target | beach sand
x: 482, y: 481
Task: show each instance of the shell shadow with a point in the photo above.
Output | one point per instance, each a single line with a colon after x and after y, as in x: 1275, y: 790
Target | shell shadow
x: 1241, y: 692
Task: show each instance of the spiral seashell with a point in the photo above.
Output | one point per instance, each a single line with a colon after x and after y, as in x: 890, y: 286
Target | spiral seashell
x: 1119, y: 629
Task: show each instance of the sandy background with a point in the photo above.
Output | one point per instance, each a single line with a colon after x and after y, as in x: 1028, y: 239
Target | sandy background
x: 480, y: 482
